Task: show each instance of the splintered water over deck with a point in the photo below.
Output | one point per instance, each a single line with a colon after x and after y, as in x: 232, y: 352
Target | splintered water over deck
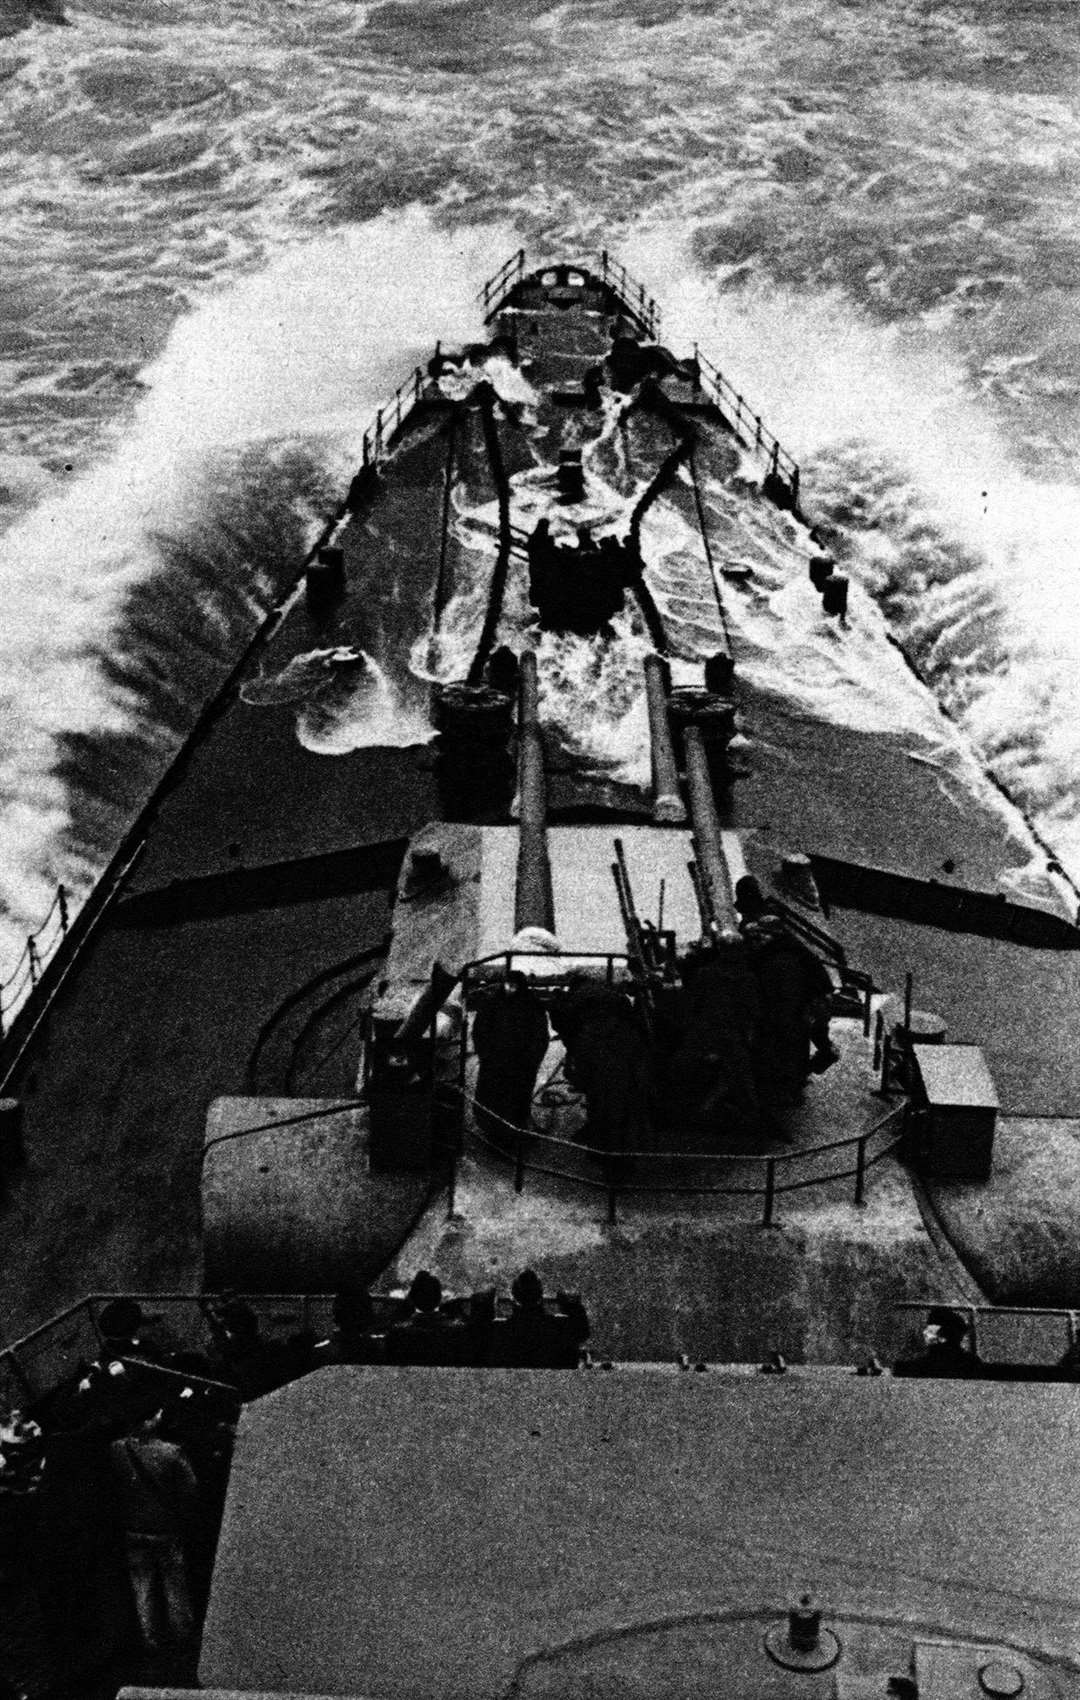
x: 232, y: 229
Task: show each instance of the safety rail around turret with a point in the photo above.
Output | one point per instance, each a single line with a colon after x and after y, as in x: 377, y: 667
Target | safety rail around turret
x: 623, y: 1174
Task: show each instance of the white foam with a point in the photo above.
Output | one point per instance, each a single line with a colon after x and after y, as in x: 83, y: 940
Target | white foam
x: 980, y: 562
x: 305, y: 349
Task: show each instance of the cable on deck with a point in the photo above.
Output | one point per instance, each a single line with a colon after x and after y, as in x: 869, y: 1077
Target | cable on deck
x: 709, y: 554
x: 486, y: 396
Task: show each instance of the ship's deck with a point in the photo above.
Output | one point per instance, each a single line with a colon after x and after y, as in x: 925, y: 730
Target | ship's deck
x: 257, y: 877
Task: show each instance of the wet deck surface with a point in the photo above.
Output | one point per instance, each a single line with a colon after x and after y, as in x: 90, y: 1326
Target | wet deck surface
x: 166, y: 1012
x: 116, y: 1100
x: 710, y: 1282
x: 698, y: 1273
x: 1018, y: 1003
x: 1018, y: 1232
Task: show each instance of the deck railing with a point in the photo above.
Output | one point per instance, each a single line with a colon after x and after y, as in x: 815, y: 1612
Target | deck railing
x: 39, y: 947
x: 389, y: 417
x: 632, y: 295
x: 622, y: 1174
x: 498, y: 287
x: 1026, y: 1336
x: 746, y: 424
x: 639, y: 305
x: 50, y: 1356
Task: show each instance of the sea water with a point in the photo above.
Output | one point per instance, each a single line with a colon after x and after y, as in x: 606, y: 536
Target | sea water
x: 228, y: 231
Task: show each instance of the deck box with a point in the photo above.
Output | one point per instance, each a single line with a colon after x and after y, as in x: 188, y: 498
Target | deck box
x: 955, y: 1091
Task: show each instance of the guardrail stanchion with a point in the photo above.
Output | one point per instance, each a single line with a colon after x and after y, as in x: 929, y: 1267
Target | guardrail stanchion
x: 886, y: 1062
x: 770, y: 1192
x: 451, y: 1191
x: 32, y: 959
x: 860, y: 1171
x: 62, y: 900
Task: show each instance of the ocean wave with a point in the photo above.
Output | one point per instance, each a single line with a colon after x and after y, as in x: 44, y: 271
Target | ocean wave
x: 865, y: 215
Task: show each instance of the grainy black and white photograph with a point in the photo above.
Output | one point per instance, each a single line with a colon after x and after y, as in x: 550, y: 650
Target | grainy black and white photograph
x: 539, y: 849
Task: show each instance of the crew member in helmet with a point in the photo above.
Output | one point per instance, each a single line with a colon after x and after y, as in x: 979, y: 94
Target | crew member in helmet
x: 795, y: 991
x: 945, y: 1352
x: 610, y: 1059
x: 711, y: 1071
x: 534, y: 1337
x: 510, y: 1036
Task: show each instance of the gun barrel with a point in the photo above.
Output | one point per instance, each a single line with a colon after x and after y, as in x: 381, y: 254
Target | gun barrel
x: 707, y: 839
x: 708, y: 923
x: 534, y: 904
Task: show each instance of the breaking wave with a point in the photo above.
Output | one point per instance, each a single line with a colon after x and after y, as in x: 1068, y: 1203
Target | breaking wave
x: 232, y: 231
x: 972, y: 561
x: 130, y: 591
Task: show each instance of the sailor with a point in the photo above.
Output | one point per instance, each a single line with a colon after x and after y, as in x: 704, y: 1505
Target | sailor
x: 160, y: 1494
x: 534, y: 1337
x: 551, y: 578
x: 749, y: 900
x: 249, y: 1360
x: 945, y: 1354
x: 609, y: 1057
x: 795, y: 992
x: 127, y: 1332
x: 354, y: 1340
x: 113, y: 1382
x: 22, y: 1456
x: 711, y: 1070
x: 510, y: 1037
x: 428, y: 1334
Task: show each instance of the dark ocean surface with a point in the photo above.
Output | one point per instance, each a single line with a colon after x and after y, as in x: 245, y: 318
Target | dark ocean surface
x: 228, y: 230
